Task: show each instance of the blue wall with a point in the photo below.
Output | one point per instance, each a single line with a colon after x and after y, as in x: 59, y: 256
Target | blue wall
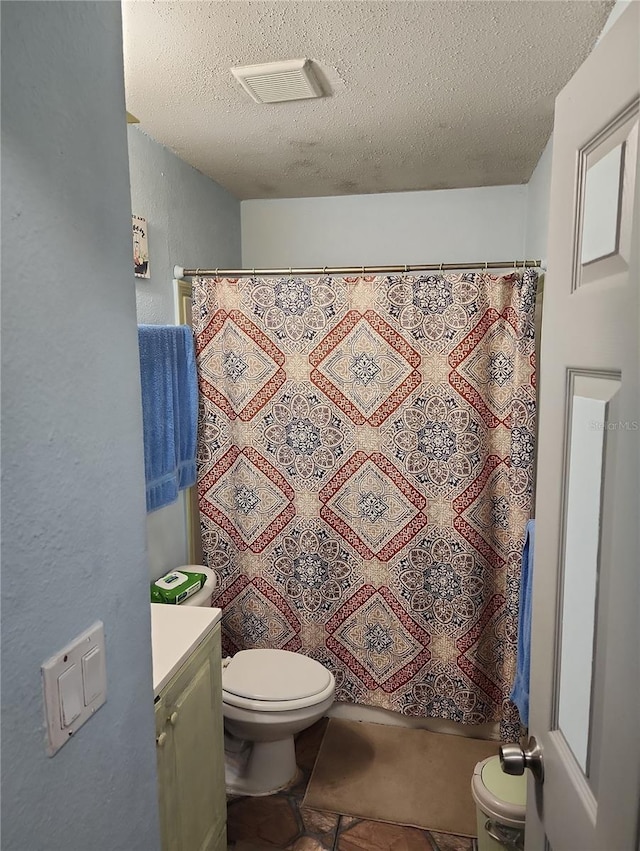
x: 73, y: 519
x: 192, y: 222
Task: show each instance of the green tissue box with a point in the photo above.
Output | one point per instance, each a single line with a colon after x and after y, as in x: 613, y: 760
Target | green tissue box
x: 176, y: 586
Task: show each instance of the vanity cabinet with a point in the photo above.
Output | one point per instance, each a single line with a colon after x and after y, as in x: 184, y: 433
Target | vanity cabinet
x: 189, y: 747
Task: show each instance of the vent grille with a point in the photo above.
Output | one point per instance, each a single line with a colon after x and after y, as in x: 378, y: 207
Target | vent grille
x: 275, y: 82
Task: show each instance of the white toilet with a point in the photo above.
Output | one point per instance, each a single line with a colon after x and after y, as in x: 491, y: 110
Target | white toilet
x: 267, y: 697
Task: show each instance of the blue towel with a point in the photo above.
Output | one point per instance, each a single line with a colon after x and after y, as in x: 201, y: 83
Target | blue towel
x: 169, y: 410
x: 520, y: 690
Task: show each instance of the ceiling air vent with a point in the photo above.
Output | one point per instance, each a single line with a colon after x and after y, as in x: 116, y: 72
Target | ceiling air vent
x: 279, y: 81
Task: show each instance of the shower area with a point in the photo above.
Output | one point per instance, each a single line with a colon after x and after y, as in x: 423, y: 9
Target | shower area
x: 365, y: 475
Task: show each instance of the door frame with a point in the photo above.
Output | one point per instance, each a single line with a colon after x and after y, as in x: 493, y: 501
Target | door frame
x: 183, y: 295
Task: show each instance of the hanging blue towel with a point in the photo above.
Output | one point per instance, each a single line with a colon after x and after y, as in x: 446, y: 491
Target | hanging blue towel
x: 520, y: 690
x: 169, y: 410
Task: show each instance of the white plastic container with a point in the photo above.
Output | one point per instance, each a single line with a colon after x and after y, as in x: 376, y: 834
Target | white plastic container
x: 203, y: 596
x: 500, y: 806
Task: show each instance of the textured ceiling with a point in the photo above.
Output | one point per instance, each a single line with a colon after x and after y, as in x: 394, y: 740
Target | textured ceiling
x: 423, y: 95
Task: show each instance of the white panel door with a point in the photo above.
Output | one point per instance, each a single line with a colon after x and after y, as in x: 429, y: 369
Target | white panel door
x: 585, y: 681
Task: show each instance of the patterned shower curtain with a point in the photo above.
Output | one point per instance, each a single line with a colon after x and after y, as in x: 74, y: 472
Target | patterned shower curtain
x: 365, y: 477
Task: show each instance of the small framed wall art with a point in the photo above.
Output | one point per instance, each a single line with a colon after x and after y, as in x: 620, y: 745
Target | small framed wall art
x: 140, y: 247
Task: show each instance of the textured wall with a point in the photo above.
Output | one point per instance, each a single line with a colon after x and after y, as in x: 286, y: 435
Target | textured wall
x: 538, y: 190
x: 401, y: 227
x: 192, y: 222
x: 73, y: 515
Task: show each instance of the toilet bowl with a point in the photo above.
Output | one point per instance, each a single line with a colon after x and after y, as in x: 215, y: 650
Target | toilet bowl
x: 204, y: 595
x: 267, y: 697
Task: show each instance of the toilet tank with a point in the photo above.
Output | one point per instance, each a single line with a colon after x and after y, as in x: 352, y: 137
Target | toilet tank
x: 203, y: 596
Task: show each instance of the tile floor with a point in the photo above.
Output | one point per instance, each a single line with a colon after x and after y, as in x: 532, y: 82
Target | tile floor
x: 281, y: 822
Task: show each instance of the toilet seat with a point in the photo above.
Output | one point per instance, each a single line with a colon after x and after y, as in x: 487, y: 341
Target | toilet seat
x: 274, y: 681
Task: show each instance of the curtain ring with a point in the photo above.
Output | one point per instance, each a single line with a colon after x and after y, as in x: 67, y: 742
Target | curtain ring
x: 254, y: 272
x: 290, y: 272
x: 486, y: 266
x: 324, y: 270
x: 216, y: 274
x: 406, y: 268
x: 362, y: 271
x: 441, y: 265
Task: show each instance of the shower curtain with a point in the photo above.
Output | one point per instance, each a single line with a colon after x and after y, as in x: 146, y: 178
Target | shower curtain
x: 365, y: 477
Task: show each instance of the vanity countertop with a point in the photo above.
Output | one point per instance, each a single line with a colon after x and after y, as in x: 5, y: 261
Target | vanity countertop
x: 175, y: 632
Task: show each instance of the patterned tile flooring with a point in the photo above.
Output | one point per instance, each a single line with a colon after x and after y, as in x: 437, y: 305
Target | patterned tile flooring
x: 281, y: 822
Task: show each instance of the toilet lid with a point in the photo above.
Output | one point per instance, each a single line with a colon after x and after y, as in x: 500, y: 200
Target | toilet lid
x: 274, y: 675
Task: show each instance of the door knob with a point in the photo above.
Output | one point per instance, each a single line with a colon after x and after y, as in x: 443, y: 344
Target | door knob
x: 173, y: 718
x: 162, y: 738
x: 514, y: 759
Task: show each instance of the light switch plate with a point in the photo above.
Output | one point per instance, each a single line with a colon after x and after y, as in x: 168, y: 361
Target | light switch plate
x: 81, y: 691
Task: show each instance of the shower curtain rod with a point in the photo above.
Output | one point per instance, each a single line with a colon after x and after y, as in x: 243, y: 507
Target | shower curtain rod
x: 180, y: 272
